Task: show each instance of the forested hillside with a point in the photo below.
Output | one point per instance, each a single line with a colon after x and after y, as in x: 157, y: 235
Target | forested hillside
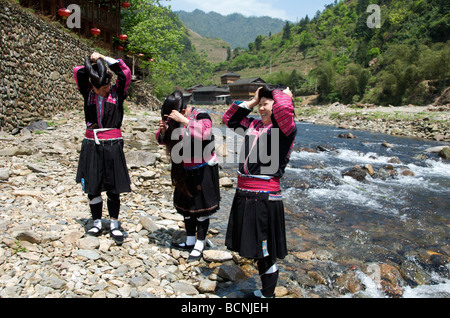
x: 235, y: 29
x: 336, y: 53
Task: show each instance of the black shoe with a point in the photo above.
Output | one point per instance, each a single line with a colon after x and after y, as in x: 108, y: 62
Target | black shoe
x: 183, y: 246
x: 195, y: 258
x: 117, y: 238
x: 94, y: 231
x: 257, y: 294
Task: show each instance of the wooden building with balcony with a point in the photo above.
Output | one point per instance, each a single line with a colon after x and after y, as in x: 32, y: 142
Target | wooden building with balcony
x: 244, y: 89
x: 229, y: 78
x: 101, y: 14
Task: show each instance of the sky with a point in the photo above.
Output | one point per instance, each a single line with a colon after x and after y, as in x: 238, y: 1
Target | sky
x: 291, y: 10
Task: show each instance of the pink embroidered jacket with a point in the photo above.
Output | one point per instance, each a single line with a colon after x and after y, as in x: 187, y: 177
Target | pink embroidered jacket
x: 199, y: 131
x: 109, y: 113
x: 258, y: 138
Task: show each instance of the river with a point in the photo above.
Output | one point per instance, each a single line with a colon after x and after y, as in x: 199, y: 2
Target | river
x: 351, y: 227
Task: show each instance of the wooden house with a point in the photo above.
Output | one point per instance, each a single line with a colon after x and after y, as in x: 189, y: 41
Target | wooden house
x: 193, y: 88
x: 101, y: 14
x: 229, y: 78
x: 208, y: 95
x: 244, y: 89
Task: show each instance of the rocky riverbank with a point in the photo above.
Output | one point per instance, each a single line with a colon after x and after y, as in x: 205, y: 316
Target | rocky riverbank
x: 425, y: 122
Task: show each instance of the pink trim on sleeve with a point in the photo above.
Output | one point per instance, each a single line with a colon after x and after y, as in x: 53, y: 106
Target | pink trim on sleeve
x: 229, y: 113
x: 200, y: 129
x: 75, y: 74
x: 157, y: 135
x: 127, y: 72
x: 245, y: 122
x: 283, y: 111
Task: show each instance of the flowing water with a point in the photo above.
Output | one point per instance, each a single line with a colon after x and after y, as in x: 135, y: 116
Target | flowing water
x: 400, y: 219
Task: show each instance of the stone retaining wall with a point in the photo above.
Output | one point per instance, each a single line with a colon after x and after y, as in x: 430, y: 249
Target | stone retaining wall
x: 36, y: 63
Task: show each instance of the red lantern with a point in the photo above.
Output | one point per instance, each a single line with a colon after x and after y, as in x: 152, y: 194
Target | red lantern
x: 120, y: 48
x: 125, y: 5
x: 64, y: 13
x: 95, y: 32
x: 122, y: 37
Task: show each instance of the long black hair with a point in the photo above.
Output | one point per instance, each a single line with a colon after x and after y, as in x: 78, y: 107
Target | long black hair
x: 98, y: 72
x: 174, y: 101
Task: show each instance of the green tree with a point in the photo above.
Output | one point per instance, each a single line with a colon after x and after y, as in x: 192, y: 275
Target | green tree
x: 152, y: 31
x: 325, y: 75
x: 306, y: 41
x: 287, y: 34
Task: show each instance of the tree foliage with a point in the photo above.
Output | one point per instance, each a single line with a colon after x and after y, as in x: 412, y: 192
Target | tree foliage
x: 155, y: 32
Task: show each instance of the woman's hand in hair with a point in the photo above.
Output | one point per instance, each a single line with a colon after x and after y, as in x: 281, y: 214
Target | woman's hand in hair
x: 162, y: 127
x: 288, y: 92
x: 255, y: 101
x: 179, y: 117
x: 95, y: 56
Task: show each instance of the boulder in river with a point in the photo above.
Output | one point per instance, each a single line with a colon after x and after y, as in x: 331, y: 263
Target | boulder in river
x: 356, y: 173
x: 445, y: 153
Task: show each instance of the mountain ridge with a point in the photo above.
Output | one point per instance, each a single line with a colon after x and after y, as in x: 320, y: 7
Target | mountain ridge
x: 235, y: 28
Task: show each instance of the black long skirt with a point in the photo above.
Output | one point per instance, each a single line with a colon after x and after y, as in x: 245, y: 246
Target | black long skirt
x: 103, y: 167
x: 256, y: 226
x: 203, y: 185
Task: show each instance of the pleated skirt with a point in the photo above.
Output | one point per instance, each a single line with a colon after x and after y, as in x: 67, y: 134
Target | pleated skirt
x: 203, y: 185
x: 103, y: 167
x: 256, y: 226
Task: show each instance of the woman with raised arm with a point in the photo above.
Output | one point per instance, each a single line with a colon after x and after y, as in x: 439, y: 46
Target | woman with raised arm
x: 256, y: 226
x: 187, y: 134
x: 102, y: 166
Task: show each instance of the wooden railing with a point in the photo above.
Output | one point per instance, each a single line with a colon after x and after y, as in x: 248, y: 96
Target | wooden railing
x: 106, y: 13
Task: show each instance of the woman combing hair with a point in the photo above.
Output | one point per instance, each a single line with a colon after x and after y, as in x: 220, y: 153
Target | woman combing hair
x: 194, y: 172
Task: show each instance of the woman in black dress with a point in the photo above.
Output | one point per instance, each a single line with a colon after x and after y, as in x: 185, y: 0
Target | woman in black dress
x: 256, y: 227
x: 102, y: 166
x: 187, y: 134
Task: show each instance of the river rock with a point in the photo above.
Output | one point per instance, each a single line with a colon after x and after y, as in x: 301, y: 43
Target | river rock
x: 435, y: 149
x: 391, y: 280
x: 4, y: 174
x: 217, y: 256
x: 405, y: 171
x: 89, y: 243
x: 387, y: 145
x: 368, y: 167
x: 356, y: 173
x: 53, y: 282
x: 148, y: 224
x: 40, y: 125
x: 137, y: 159
x: 347, y: 135
x: 148, y: 175
x: 29, y: 237
x: 226, y: 182
x: 88, y: 254
x: 444, y: 153
x: 184, y: 288
x: 207, y: 286
x: 230, y: 271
